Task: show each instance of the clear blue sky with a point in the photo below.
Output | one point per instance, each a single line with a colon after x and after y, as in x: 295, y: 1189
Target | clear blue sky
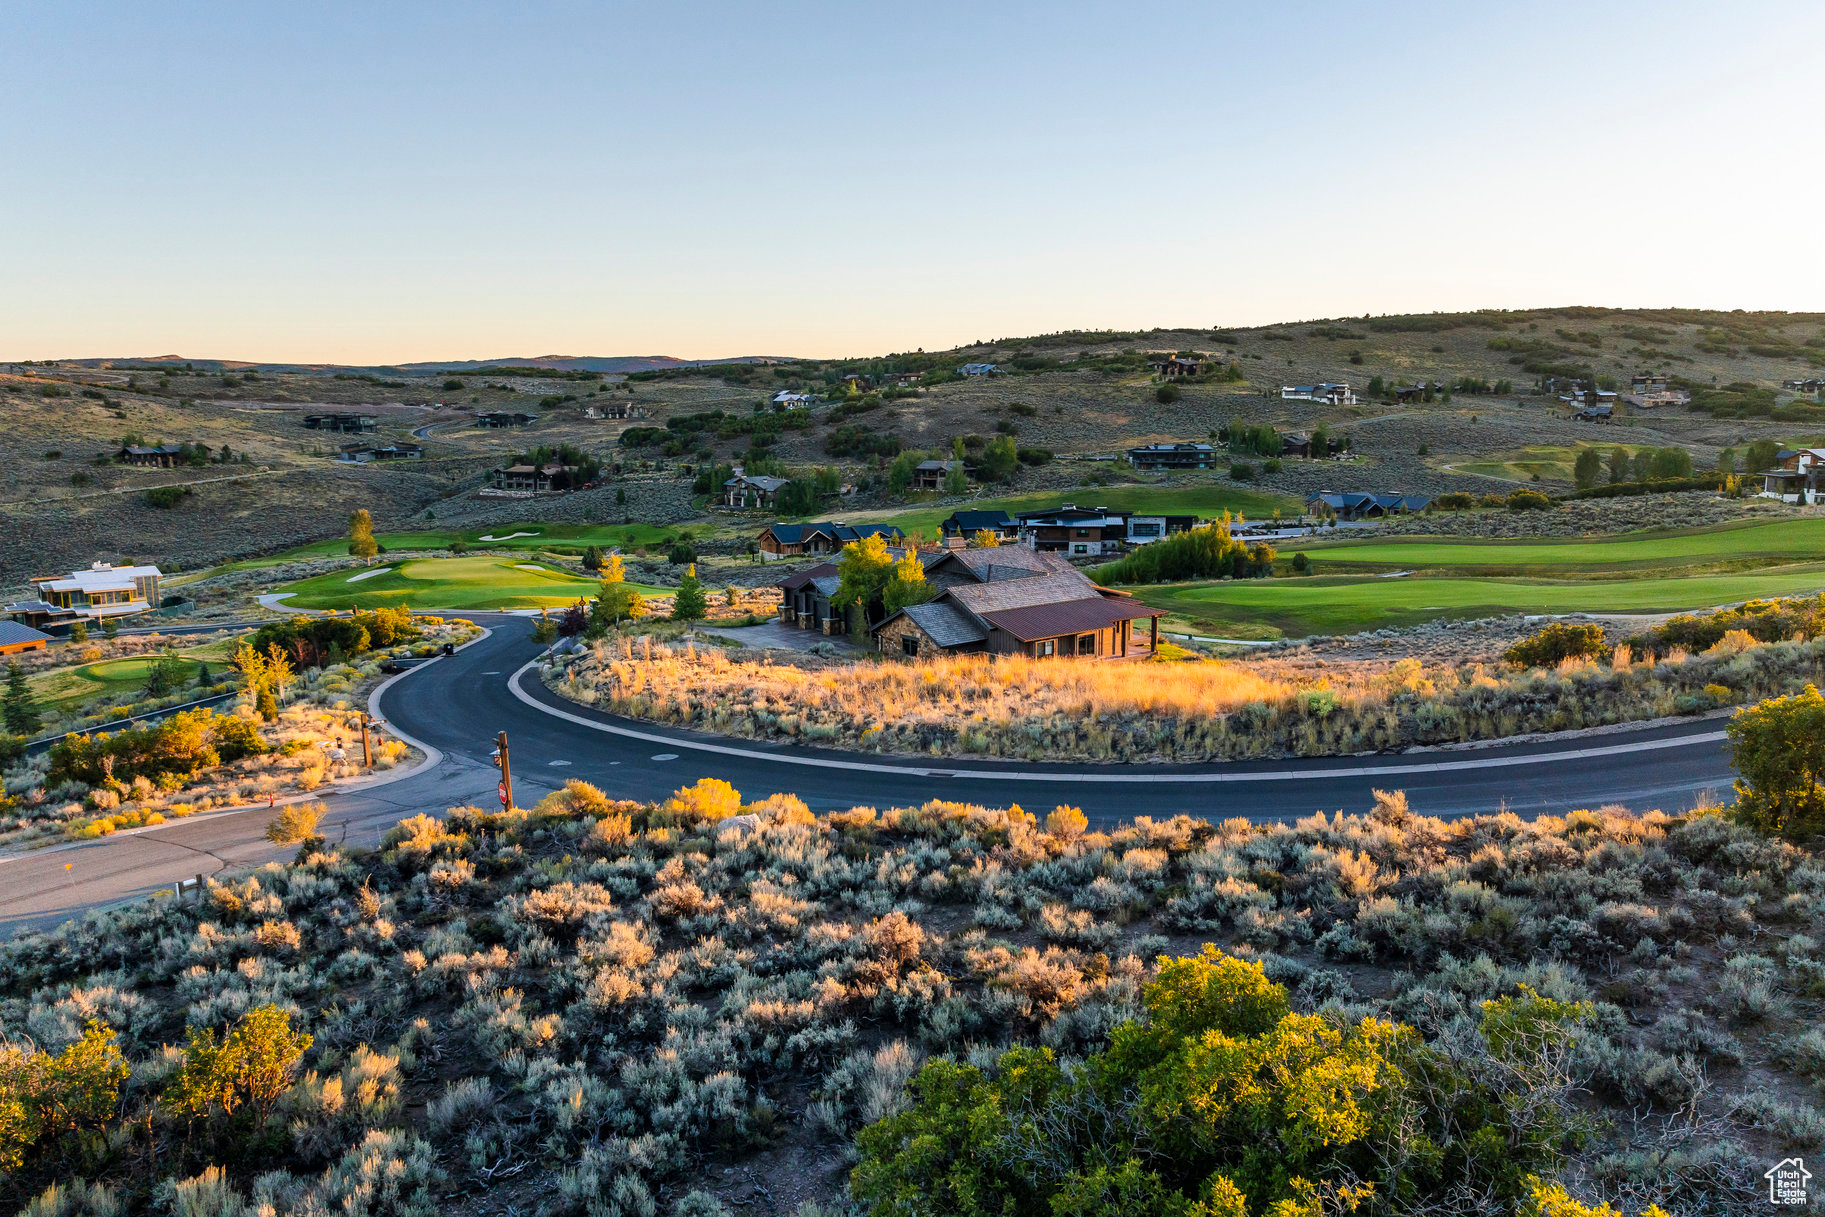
x: 382, y: 181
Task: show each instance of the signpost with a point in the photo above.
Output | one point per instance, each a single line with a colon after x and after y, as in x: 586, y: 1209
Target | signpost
x: 505, y: 789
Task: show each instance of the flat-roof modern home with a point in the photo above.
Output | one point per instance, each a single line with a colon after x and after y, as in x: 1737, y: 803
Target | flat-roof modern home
x: 102, y: 591
x: 352, y: 424
x: 1330, y: 393
x: 1081, y: 532
x: 1795, y: 476
x: 504, y: 418
x: 1183, y: 455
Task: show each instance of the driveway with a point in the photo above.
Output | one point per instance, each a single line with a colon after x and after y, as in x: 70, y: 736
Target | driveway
x: 773, y: 636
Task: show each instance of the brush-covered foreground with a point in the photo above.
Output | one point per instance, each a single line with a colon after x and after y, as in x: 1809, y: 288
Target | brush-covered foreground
x: 1197, y: 709
x: 605, y: 1008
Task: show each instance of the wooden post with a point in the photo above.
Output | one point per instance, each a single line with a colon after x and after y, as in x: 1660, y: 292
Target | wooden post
x: 199, y: 887
x: 367, y: 752
x: 506, y: 772
x: 1154, y: 641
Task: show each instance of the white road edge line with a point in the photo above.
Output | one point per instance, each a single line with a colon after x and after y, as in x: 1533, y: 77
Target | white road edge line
x: 356, y: 786
x: 1008, y: 775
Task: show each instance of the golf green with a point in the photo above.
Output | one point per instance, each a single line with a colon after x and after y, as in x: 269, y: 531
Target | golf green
x: 1778, y: 540
x: 1341, y: 604
x: 448, y: 583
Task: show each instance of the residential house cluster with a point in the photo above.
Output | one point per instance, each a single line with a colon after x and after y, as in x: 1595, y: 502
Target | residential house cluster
x: 102, y: 591
x: 814, y: 540
x: 1077, y: 532
x: 999, y: 601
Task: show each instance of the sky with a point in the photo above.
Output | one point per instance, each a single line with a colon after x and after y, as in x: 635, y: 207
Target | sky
x: 376, y: 183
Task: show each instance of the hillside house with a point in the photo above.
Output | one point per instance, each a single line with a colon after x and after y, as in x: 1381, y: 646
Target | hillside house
x: 1016, y: 602
x: 159, y: 456
x: 1081, y: 532
x: 930, y: 475
x: 349, y: 424
x: 16, y: 638
x: 1183, y: 455
x: 1647, y: 382
x: 788, y: 400
x: 615, y: 411
x: 805, y: 599
x: 751, y: 492
x: 963, y: 525
x: 1812, y: 384
x: 359, y: 454
x: 855, y: 382
x: 1173, y: 367
x: 904, y: 378
x: 504, y: 418
x: 534, y: 479
x: 1330, y: 394
x: 1795, y: 476
x: 979, y: 369
x: 1593, y: 413
x: 102, y: 591
x: 829, y: 537
x: 1355, y: 505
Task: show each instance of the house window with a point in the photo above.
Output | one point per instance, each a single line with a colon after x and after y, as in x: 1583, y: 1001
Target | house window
x: 1046, y: 648
x: 1086, y: 644
x: 909, y: 645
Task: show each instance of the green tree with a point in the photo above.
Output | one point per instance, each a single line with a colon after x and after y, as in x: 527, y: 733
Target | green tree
x: 544, y: 630
x: 19, y: 709
x: 166, y: 675
x: 1000, y: 458
x: 110, y: 628
x: 247, y: 1071
x: 592, y: 558
x: 863, y: 572
x: 690, y: 603
x: 1166, y: 394
x: 44, y: 1095
x: 1587, y: 468
x: 1778, y: 748
x: 1619, y: 465
x: 1726, y: 461
x: 361, y: 535
x: 1671, y: 463
x: 956, y: 481
x: 900, y: 473
x: 79, y: 633
x: 1761, y: 455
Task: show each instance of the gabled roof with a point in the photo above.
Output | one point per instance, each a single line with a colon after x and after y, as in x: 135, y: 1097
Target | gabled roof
x: 799, y: 578
x: 972, y: 521
x: 760, y: 480
x: 980, y: 598
x: 12, y: 633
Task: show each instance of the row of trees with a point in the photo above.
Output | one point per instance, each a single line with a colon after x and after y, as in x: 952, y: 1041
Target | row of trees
x: 1200, y: 553
x: 1644, y: 464
x: 165, y: 753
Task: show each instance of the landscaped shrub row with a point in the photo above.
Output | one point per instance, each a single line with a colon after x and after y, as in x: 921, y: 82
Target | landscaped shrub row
x: 603, y: 1007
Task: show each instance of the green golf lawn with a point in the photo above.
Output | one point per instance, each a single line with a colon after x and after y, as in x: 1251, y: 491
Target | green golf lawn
x: 558, y: 538
x: 1773, y: 541
x: 118, y: 678
x: 1191, y: 498
x: 1299, y: 607
x: 448, y: 583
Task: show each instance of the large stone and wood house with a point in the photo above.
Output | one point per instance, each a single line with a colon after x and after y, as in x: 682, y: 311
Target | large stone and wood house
x: 102, y: 591
x: 1186, y: 455
x: 752, y: 491
x: 1354, y: 505
x: 802, y: 540
x: 155, y: 456
x: 1016, y: 601
x: 534, y: 479
x: 363, y: 454
x: 1175, y: 366
x: 350, y: 424
x: 930, y: 475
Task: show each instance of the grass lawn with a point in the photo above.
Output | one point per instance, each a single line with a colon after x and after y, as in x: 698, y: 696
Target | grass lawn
x: 1187, y: 498
x: 1800, y: 540
x: 1298, y: 607
x: 449, y: 583
x: 121, y: 679
x: 558, y: 538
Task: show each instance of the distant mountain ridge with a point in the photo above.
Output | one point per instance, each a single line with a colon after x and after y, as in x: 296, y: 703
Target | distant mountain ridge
x: 556, y: 363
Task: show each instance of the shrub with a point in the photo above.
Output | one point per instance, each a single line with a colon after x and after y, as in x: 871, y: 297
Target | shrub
x: 167, y: 497
x: 1556, y: 642
x: 247, y: 1071
x: 43, y: 1096
x: 1778, y: 748
x: 295, y: 823
x: 1166, y: 394
x: 1527, y: 500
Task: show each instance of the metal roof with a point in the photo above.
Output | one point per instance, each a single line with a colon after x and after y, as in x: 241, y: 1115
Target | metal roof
x: 1067, y: 617
x: 970, y: 521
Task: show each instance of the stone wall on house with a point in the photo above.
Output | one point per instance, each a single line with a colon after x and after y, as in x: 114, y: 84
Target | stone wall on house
x: 889, y: 637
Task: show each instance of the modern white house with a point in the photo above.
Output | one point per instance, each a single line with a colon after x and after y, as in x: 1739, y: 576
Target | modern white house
x: 102, y: 591
x: 793, y: 401
x: 1796, y: 476
x: 1328, y: 394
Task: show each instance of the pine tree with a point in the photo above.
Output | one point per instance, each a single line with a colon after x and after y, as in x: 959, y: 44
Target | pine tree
x: 690, y: 602
x: 79, y: 633
x: 20, y: 710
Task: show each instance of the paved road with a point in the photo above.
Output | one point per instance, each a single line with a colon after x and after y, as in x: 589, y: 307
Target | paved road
x: 456, y: 706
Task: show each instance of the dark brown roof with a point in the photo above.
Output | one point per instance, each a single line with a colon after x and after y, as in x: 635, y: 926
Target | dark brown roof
x: 1066, y: 617
x: 799, y: 578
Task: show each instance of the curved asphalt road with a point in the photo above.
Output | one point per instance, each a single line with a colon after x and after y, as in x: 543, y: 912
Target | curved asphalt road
x: 456, y: 705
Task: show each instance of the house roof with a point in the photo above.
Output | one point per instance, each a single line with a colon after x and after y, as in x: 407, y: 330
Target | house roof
x: 1184, y: 446
x: 1359, y: 499
x: 938, y: 466
x: 12, y: 634
x: 1003, y: 562
x: 762, y: 481
x: 1070, y: 512
x: 945, y: 623
x: 799, y: 578
x: 1067, y: 617
x: 101, y: 577
x: 794, y: 534
x: 827, y: 584
x: 1025, y: 592
x: 972, y: 369
x: 153, y: 450
x: 972, y: 521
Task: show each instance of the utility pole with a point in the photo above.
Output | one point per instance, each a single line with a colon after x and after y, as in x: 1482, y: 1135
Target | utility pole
x: 367, y: 753
x: 500, y: 759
